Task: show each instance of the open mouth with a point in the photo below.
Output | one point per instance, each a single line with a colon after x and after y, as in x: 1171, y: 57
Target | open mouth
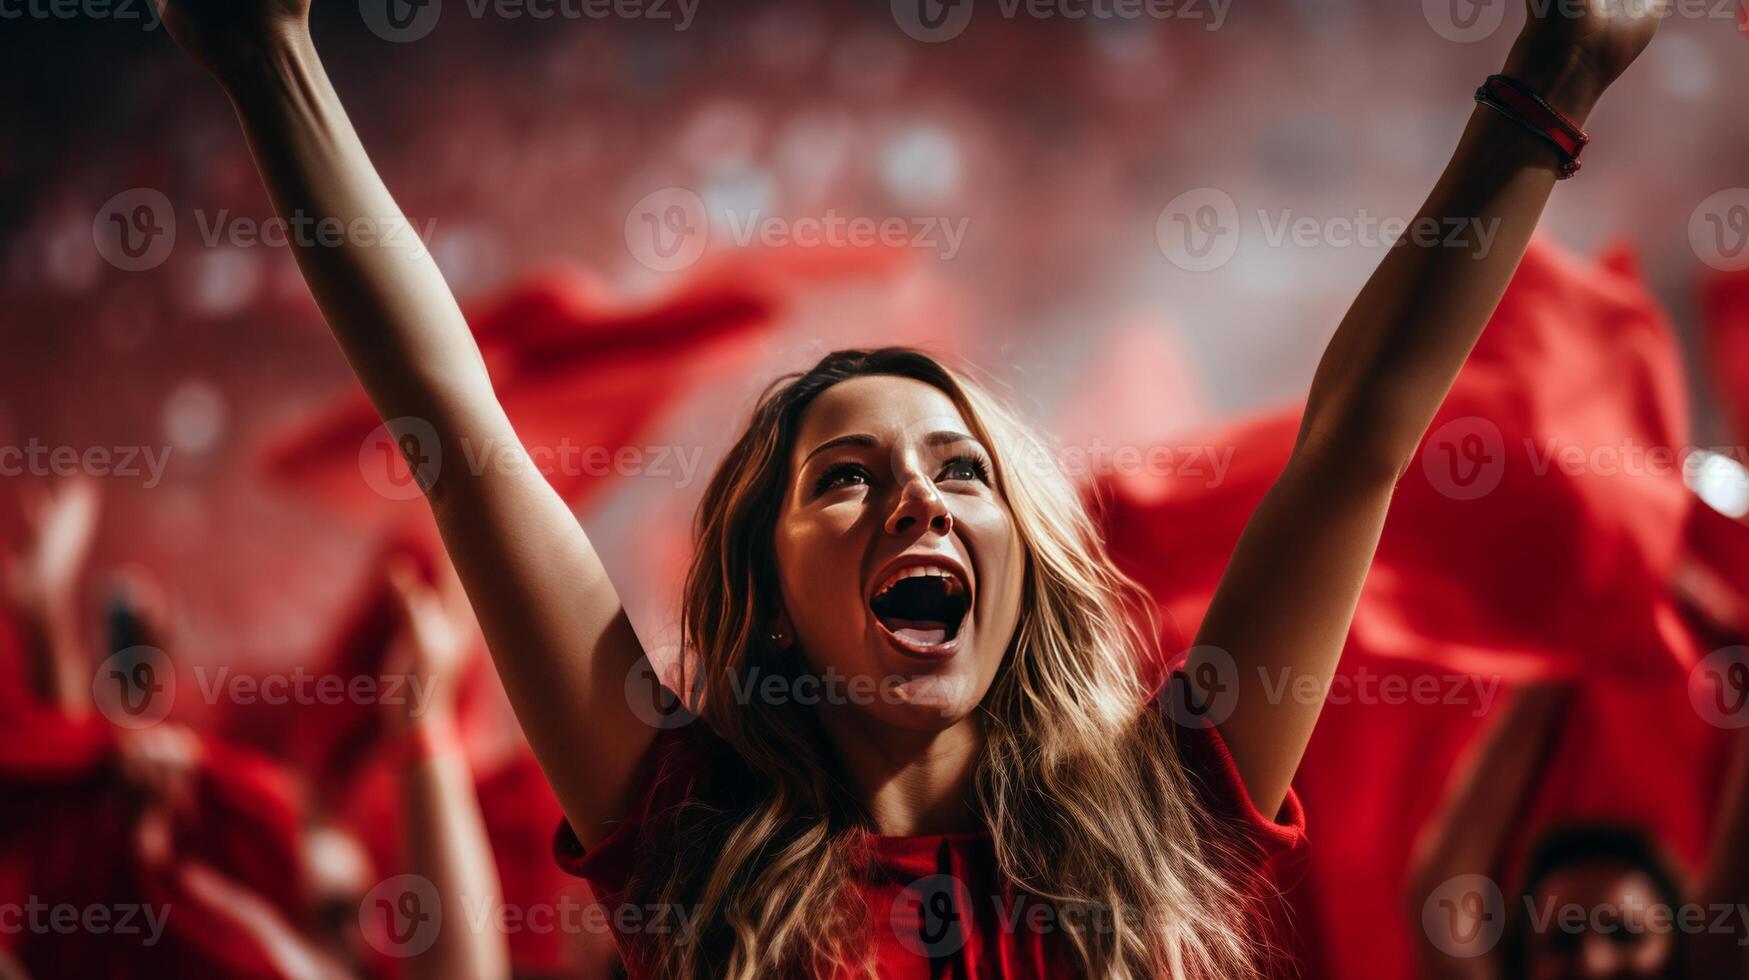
x: 921, y: 608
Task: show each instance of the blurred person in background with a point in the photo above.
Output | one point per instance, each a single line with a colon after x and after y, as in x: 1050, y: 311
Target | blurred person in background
x: 173, y: 781
x: 879, y: 519
x: 1596, y: 900
x: 1590, y: 899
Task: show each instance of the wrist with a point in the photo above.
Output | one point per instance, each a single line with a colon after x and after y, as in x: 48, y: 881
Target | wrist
x: 272, y: 65
x: 48, y: 612
x: 1563, y: 82
x: 429, y: 735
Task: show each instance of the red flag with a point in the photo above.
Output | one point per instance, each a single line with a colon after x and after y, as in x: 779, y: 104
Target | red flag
x: 579, y: 376
x: 1537, y: 529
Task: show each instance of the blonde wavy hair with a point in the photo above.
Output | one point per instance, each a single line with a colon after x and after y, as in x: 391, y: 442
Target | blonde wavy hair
x: 1081, y: 788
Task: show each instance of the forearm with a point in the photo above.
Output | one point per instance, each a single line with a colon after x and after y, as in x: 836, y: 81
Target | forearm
x: 1469, y: 831
x: 1489, y: 790
x: 1400, y: 347
x: 375, y: 282
x: 447, y: 844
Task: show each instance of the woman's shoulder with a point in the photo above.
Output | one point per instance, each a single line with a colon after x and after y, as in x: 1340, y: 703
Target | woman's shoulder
x: 1216, y: 779
x: 684, y: 750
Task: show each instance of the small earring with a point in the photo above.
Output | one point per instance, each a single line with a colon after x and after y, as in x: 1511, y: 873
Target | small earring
x: 776, y: 636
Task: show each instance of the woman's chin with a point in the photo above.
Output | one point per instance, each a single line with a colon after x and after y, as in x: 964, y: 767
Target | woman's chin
x: 927, y: 702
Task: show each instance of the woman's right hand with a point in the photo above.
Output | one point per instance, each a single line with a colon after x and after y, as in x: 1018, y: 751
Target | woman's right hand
x: 225, y: 35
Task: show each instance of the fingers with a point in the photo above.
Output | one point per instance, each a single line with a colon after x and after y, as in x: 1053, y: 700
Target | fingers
x: 427, y: 627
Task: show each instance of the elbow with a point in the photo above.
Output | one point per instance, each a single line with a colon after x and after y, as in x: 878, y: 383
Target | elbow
x: 1373, y: 428
x: 1360, y: 445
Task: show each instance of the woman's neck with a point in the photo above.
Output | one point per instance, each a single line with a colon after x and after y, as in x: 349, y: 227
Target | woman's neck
x: 910, y: 783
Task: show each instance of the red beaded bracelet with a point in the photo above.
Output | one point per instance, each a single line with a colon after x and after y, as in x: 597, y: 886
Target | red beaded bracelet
x: 1515, y: 100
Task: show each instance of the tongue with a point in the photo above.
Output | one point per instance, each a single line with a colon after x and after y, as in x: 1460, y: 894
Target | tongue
x: 922, y: 632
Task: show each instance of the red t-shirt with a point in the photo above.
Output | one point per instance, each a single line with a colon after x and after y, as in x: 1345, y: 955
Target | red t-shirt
x: 951, y: 914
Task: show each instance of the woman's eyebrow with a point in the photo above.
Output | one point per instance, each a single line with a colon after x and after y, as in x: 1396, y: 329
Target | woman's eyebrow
x: 940, y: 437
x: 944, y: 437
x: 853, y: 439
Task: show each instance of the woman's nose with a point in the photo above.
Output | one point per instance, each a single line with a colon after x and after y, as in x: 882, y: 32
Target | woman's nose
x: 919, y: 502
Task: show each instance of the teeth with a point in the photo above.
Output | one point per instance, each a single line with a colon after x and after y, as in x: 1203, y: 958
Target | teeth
x: 921, y: 571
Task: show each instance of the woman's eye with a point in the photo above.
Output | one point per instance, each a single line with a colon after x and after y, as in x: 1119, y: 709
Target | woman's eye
x: 966, y: 468
x: 840, y: 475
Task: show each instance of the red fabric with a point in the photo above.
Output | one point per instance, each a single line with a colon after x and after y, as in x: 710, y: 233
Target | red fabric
x: 992, y: 943
x: 1725, y: 334
x: 573, y: 369
x: 68, y: 833
x: 15, y: 691
x: 1577, y: 358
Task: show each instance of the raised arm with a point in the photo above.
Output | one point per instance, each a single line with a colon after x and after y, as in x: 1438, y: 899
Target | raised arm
x: 1284, y: 605
x: 1468, y: 832
x: 447, y: 842
x: 42, y: 592
x: 555, y: 625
